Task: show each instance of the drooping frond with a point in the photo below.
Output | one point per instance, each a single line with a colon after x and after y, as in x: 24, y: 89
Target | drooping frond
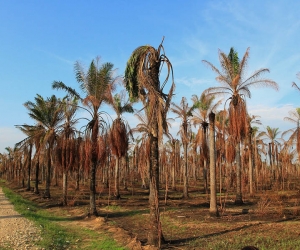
x: 118, y: 138
x: 142, y: 81
x: 132, y: 71
x: 238, y: 122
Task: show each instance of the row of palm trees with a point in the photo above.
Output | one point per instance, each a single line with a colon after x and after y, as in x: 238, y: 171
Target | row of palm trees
x: 226, y: 145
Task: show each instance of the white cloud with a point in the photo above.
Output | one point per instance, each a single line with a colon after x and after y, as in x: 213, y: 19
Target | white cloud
x: 273, y: 116
x: 193, y: 82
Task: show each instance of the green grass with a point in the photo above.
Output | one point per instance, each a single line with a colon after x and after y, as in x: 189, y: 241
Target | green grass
x: 54, y: 235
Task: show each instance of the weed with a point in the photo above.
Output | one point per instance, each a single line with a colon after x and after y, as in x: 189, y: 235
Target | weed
x: 263, y: 204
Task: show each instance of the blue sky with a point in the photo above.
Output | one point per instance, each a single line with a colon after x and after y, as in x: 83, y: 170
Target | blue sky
x: 41, y: 40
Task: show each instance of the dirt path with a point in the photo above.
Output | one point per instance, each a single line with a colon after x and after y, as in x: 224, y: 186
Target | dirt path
x: 16, y: 232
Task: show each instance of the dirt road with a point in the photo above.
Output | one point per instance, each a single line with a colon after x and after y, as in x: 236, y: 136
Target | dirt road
x: 16, y: 232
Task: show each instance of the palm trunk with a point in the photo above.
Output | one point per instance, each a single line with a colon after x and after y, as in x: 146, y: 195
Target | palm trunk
x: 185, y: 167
x: 65, y: 187
x: 185, y: 173
x: 250, y: 162
x: 37, y: 170
x: 29, y: 168
x: 77, y: 174
x: 205, y: 152
x: 48, y: 173
x: 155, y: 232
x: 174, y: 166
x: 94, y: 161
x: 255, y: 165
x: 117, y: 178
x: 213, y: 209
x: 93, y: 210
x: 126, y: 170
x: 238, y: 198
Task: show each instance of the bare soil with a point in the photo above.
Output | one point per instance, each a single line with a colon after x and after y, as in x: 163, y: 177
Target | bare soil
x: 266, y: 216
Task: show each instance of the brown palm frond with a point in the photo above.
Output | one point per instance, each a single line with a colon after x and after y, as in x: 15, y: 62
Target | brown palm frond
x: 218, y: 91
x: 102, y: 148
x: 230, y: 151
x: 259, y: 83
x: 118, y: 138
x: 238, y: 119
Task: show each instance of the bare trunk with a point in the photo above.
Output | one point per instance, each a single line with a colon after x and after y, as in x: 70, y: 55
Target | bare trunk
x: 250, y: 162
x: 65, y: 187
x: 125, y: 174
x: 185, y: 173
x: 155, y: 232
x: 238, y: 198
x: 29, y: 168
x: 48, y: 174
x: 213, y: 209
x: 93, y: 210
x: 37, y: 170
x: 117, y: 178
x: 94, y: 161
x: 77, y: 174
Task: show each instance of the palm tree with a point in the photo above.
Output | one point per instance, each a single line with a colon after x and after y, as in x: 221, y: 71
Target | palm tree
x: 142, y: 82
x: 204, y: 105
x: 96, y: 84
x: 119, y: 140
x: 48, y: 113
x: 236, y: 85
x: 184, y: 112
x: 34, y: 137
x: 295, y: 132
x: 143, y: 146
x: 252, y: 120
x: 259, y: 151
x: 66, y: 143
x: 174, y: 148
x: 271, y: 134
x: 9, y: 162
x: 26, y: 145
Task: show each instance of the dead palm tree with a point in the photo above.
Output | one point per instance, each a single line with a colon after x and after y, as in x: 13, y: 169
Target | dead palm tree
x: 174, y: 148
x: 252, y: 120
x: 271, y: 135
x: 236, y: 85
x: 96, y: 83
x: 142, y: 82
x: 119, y: 140
x: 143, y: 146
